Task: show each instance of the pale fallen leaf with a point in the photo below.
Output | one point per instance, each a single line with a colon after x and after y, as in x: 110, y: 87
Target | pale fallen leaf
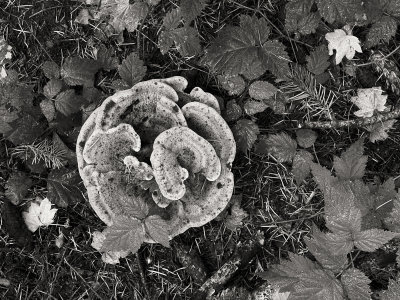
x: 344, y: 44
x: 378, y: 131
x: 39, y: 214
x: 369, y: 100
x: 59, y: 240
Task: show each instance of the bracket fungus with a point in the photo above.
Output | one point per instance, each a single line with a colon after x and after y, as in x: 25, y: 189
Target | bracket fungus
x: 141, y: 148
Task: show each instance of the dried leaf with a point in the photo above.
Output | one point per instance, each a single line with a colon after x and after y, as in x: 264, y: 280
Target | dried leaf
x: 236, y: 216
x: 17, y: 187
x: 245, y: 133
x: 344, y: 44
x: 369, y: 101
x: 132, y: 69
x: 39, y: 214
x: 301, y: 165
x: 67, y: 102
x: 378, y: 131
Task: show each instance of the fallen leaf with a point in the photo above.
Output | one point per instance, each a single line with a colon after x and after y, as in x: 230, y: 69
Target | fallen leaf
x: 344, y: 44
x: 378, y: 131
x: 39, y: 214
x: 369, y: 100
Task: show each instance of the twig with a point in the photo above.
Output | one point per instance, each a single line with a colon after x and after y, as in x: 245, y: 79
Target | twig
x: 143, y: 277
x: 382, y: 117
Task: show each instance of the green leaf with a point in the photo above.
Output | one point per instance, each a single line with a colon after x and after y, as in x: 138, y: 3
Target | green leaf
x: 342, y: 11
x: 52, y: 88
x: 186, y: 40
x: 125, y: 234
x: 321, y: 250
x: 262, y: 90
x: 351, y: 164
x: 17, y: 187
x: 356, y: 284
x: 158, y: 229
x: 301, y: 165
x: 306, y: 137
x: 393, y: 220
x: 6, y: 117
x: 191, y: 9
x: 24, y: 130
x: 170, y: 22
x: 79, y: 71
x: 48, y: 109
x: 281, y: 146
x: 324, y: 179
x: 245, y: 48
x: 252, y: 107
x: 67, y: 102
x: 381, y: 31
x: 132, y: 70
x: 299, y: 19
x: 318, y: 60
x: 372, y: 239
x: 245, y: 133
x: 106, y: 58
x: 62, y: 185
x: 393, y: 291
x: 235, y: 84
x: 232, y: 111
x: 51, y: 70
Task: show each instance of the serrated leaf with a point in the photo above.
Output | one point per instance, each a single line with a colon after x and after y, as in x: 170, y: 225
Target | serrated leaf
x: 39, y: 214
x: 67, y: 154
x: 67, y: 102
x: 344, y: 44
x: 25, y: 130
x: 125, y: 234
x: 232, y: 111
x: 245, y: 133
x: 172, y: 19
x: 51, y: 70
x: 351, y: 164
x: 79, y: 71
x: 393, y: 291
x: 62, y: 185
x: 281, y: 146
x: 6, y: 117
x: 252, y: 107
x: 191, y: 9
x: 393, y: 220
x: 318, y: 60
x: 235, y: 84
x: 52, y: 88
x: 106, y: 58
x: 356, y: 284
x: 48, y: 109
x: 158, y: 229
x: 381, y: 31
x: 342, y: 11
x: 132, y: 70
x: 186, y: 41
x: 369, y: 101
x: 372, y: 239
x: 301, y: 165
x: 262, y: 90
x: 299, y: 19
x: 17, y: 187
x: 378, y: 131
x: 238, y: 49
x: 321, y: 250
x: 306, y: 137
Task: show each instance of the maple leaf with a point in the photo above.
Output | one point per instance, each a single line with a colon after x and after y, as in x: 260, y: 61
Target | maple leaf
x: 369, y: 100
x: 393, y: 290
x: 378, y: 131
x: 318, y: 60
x: 356, y: 284
x: 299, y: 18
x: 132, y: 69
x: 158, y: 229
x: 281, y: 146
x: 344, y: 44
x: 262, y: 90
x: 306, y: 137
x: 246, y: 48
x: 235, y: 84
x: 321, y: 250
x: 342, y: 11
x: 245, y: 133
x: 232, y: 111
x: 125, y: 234
x: 301, y: 165
x: 351, y: 164
x: 39, y: 214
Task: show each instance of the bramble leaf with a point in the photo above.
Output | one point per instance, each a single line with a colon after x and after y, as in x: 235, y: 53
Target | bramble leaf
x: 393, y: 291
x: 48, y: 109
x: 132, y: 69
x: 369, y: 100
x: 106, y: 58
x: 52, y: 88
x: 67, y: 102
x: 281, y: 146
x: 306, y: 137
x: 356, y: 284
x: 299, y: 18
x: 51, y: 70
x: 79, y: 71
x: 342, y: 11
x: 62, y: 185
x: 393, y: 220
x: 244, y: 49
x: 378, y: 131
x: 262, y: 90
x: 344, y: 44
x: 252, y: 107
x: 17, y: 187
x: 381, y: 31
x: 125, y: 234
x: 191, y: 9
x: 233, y: 111
x: 372, y: 239
x: 318, y: 60
x: 351, y: 164
x: 245, y: 133
x: 235, y: 84
x: 158, y: 229
x: 301, y: 165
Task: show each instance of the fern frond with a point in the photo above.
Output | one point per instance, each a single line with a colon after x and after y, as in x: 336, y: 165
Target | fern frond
x: 45, y: 150
x: 316, y: 99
